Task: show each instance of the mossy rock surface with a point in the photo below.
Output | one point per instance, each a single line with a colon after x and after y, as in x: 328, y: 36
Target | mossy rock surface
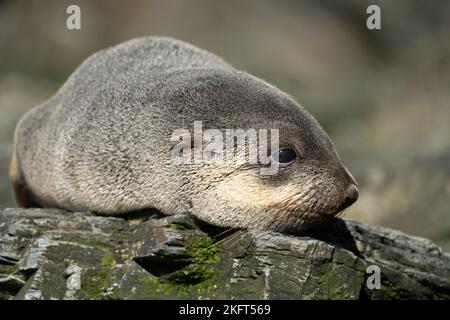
x: 53, y: 254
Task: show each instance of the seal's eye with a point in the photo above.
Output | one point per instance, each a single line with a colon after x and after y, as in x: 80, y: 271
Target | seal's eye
x: 284, y: 156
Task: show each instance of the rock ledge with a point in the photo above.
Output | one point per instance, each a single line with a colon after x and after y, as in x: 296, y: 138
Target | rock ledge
x: 53, y: 254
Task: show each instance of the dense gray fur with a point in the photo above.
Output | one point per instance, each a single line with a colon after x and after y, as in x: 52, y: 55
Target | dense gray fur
x: 102, y: 143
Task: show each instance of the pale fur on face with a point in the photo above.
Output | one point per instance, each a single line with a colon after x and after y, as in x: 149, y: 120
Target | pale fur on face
x: 242, y: 199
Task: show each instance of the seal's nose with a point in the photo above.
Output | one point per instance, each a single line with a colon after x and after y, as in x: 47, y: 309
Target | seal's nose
x: 350, y: 196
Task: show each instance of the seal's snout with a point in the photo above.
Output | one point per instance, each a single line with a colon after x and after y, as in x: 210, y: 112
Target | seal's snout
x: 350, y: 196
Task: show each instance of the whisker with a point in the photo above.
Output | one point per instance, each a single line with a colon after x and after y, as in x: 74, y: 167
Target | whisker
x: 237, y: 238
x: 223, y: 232
x: 224, y: 240
x: 231, y: 238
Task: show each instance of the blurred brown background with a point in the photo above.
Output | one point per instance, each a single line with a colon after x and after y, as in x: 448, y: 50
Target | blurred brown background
x: 383, y: 96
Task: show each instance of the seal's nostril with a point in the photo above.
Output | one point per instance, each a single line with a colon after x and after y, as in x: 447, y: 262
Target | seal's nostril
x: 353, y: 193
x: 350, y: 197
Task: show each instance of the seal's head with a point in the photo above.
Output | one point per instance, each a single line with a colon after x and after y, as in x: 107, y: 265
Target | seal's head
x: 310, y: 185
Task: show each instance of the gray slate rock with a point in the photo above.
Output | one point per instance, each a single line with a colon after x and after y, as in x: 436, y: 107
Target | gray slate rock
x: 53, y: 254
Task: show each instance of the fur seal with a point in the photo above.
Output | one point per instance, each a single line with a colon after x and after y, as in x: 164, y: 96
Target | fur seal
x: 101, y: 143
